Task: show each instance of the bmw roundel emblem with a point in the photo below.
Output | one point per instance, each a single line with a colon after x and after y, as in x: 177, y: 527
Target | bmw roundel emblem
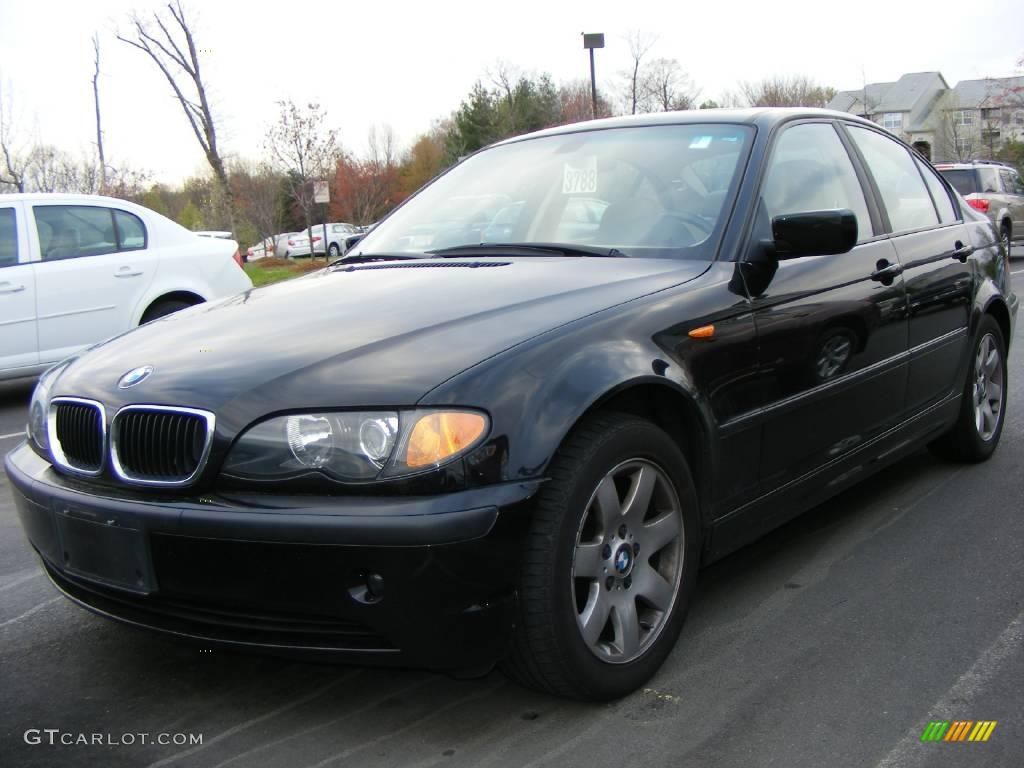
x: 134, y: 376
x: 622, y: 559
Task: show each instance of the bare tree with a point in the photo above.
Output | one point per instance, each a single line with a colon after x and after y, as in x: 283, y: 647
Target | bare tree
x: 258, y: 195
x: 954, y: 140
x: 15, y: 161
x: 667, y: 87
x: 96, y: 99
x: 795, y: 91
x: 639, y: 45
x: 304, y: 149
x: 50, y: 169
x: 171, y: 46
x: 575, y: 102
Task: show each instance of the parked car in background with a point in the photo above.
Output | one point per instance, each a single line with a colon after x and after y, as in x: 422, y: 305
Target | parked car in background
x: 522, y: 452
x: 993, y: 188
x: 280, y: 250
x: 77, y: 269
x: 298, y: 245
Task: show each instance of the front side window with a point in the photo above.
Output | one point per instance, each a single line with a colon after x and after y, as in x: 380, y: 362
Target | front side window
x: 903, y: 190
x: 810, y: 170
x: 947, y: 215
x: 8, y: 238
x: 651, y: 191
x: 892, y: 121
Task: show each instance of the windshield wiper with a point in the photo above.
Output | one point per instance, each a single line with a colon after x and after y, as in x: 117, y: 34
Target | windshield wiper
x: 360, y: 258
x: 527, y: 249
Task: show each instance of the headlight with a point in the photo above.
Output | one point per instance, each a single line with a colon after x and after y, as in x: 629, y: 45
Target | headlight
x: 38, y: 407
x: 354, y: 446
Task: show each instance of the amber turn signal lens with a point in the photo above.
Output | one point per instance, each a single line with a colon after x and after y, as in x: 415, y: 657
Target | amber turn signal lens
x: 437, y: 436
x: 704, y: 332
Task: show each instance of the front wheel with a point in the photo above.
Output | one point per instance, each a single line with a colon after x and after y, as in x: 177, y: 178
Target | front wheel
x: 610, y: 563
x: 979, y: 423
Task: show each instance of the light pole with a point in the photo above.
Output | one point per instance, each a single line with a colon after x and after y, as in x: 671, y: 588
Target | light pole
x: 590, y: 42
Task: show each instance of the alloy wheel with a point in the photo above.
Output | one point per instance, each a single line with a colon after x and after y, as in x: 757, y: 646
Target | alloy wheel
x: 628, y: 561
x: 988, y: 387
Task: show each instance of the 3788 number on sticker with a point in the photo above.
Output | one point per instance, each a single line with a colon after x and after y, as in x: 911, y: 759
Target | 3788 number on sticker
x: 580, y: 180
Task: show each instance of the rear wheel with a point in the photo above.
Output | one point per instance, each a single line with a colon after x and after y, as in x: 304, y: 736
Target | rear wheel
x: 163, y: 308
x: 610, y: 563
x: 979, y: 424
x: 334, y: 251
x: 1006, y: 235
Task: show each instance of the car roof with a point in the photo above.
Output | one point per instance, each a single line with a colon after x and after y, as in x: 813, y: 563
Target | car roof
x: 764, y: 117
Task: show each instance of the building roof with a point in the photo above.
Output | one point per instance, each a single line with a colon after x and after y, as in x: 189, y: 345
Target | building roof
x: 853, y: 101
x: 906, y: 92
x: 990, y: 92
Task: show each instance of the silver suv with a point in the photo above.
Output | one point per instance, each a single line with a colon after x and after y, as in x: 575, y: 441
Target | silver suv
x: 993, y: 188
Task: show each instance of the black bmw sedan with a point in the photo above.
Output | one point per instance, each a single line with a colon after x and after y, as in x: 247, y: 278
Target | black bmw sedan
x: 510, y: 425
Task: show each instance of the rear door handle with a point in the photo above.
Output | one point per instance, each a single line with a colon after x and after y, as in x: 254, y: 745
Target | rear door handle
x: 886, y: 271
x: 962, y: 251
x: 8, y: 288
x: 126, y: 272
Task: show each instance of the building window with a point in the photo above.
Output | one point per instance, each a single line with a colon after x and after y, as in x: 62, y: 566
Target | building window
x: 991, y: 113
x: 964, y: 117
x: 892, y: 121
x: 964, y: 148
x: 1018, y: 118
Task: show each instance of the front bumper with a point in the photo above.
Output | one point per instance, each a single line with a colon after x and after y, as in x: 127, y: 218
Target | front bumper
x: 288, y: 574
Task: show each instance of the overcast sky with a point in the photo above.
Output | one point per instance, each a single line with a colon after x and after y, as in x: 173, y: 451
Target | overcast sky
x: 405, y: 64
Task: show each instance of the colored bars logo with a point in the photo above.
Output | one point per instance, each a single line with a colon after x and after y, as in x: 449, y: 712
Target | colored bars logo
x: 958, y: 730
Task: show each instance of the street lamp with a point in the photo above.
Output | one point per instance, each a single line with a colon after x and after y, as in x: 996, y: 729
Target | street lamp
x: 590, y: 42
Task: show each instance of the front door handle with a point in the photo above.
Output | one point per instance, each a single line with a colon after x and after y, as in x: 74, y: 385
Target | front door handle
x: 8, y: 288
x: 126, y: 272
x: 962, y: 251
x: 884, y: 271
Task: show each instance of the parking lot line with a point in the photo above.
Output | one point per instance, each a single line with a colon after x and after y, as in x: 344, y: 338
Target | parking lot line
x: 13, y: 434
x: 31, y: 611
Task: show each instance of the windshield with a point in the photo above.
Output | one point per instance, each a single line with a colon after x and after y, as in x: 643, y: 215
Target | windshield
x: 654, y: 191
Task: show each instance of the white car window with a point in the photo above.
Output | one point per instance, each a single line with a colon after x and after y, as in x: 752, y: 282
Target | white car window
x: 131, y: 231
x: 8, y: 238
x: 73, y: 231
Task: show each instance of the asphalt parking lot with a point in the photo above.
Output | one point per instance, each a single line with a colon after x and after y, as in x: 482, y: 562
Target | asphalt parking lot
x: 831, y: 642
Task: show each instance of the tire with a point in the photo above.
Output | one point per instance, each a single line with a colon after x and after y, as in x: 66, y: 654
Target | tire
x: 979, y: 424
x: 1006, y: 235
x: 162, y: 309
x: 334, y: 251
x: 574, y: 553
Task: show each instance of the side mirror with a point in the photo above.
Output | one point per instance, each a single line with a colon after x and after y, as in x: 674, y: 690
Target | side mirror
x: 814, y: 233
x: 353, y: 239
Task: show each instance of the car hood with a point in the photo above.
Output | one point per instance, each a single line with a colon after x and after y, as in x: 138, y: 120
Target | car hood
x: 374, y: 334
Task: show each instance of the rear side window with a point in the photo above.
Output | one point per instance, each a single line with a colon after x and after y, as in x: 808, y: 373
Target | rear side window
x: 1011, y: 182
x: 964, y: 180
x: 8, y: 238
x: 939, y: 194
x: 74, y: 231
x: 903, y: 190
x: 131, y: 232
x: 811, y: 171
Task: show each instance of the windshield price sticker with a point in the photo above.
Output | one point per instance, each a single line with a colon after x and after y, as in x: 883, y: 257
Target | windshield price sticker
x: 580, y: 180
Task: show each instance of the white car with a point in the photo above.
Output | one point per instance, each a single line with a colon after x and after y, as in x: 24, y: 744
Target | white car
x: 77, y: 269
